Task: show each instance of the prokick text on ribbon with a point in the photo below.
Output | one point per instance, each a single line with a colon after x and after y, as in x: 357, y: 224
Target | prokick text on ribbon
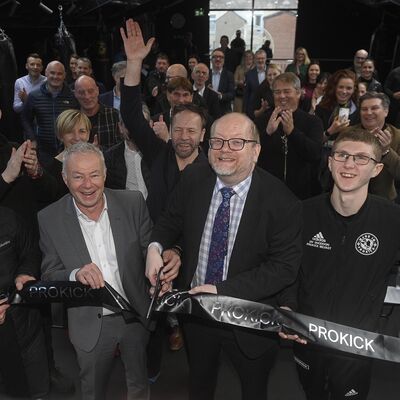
x: 346, y: 339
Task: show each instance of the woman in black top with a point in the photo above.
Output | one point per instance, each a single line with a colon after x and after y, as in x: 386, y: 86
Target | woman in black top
x: 367, y: 76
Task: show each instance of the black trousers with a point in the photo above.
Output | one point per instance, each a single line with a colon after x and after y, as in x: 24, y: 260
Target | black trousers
x: 323, y: 374
x: 204, y: 343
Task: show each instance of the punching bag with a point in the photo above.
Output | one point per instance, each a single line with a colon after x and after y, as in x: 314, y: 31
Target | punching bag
x: 64, y: 42
x: 8, y: 75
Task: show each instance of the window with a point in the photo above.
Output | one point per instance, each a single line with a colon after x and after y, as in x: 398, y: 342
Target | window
x: 273, y: 20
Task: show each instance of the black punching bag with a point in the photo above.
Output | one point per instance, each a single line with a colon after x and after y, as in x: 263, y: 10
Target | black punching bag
x: 8, y: 75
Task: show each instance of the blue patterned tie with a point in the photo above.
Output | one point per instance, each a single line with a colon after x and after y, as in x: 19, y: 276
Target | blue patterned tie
x: 219, y: 239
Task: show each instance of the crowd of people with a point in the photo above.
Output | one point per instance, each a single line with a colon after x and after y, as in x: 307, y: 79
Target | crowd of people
x: 236, y: 178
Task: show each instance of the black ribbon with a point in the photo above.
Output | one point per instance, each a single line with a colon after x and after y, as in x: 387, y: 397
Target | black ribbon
x: 251, y: 315
x: 72, y: 294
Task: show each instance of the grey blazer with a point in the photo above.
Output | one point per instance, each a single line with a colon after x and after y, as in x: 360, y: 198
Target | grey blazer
x: 64, y: 249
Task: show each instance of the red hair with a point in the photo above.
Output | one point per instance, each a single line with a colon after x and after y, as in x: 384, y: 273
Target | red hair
x: 329, y: 100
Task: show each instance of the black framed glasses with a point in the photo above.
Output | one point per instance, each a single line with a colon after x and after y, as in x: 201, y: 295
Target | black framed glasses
x: 359, y: 159
x: 235, y: 144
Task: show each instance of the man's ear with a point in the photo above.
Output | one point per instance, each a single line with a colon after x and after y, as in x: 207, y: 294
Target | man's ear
x: 377, y: 170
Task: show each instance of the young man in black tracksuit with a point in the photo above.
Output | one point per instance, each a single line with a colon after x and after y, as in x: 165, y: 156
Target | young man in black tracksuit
x: 350, y: 243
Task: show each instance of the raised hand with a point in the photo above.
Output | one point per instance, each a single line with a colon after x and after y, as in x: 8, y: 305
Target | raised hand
x: 134, y: 45
x: 160, y: 129
x: 13, y: 169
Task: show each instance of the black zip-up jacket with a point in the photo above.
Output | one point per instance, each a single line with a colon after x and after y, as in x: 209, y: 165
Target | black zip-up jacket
x: 45, y: 108
x: 347, y: 260
x: 297, y: 165
x: 158, y: 155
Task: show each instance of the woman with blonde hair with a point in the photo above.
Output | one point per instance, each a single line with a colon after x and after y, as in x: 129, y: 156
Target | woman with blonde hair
x: 72, y: 126
x: 246, y: 65
x: 300, y: 63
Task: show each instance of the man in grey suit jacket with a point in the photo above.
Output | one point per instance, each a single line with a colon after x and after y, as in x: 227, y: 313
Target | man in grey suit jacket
x: 91, y: 236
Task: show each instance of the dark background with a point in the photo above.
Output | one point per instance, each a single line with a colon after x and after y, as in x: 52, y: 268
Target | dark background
x: 331, y: 31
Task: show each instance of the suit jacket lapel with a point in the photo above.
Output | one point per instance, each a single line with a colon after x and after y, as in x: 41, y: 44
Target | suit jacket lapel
x: 202, y: 200
x: 117, y: 229
x: 249, y: 219
x: 74, y: 231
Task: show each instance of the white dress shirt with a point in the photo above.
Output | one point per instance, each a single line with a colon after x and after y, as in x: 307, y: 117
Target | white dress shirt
x: 134, y: 177
x: 199, y: 91
x: 100, y: 244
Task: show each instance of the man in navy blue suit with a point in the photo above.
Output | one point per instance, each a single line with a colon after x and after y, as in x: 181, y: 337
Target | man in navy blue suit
x: 253, y: 79
x: 113, y: 97
x: 221, y: 81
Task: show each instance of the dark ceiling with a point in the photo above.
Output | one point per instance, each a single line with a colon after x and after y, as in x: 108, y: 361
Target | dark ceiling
x: 23, y: 13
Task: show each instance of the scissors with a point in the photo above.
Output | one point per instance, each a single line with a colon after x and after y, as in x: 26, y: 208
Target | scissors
x: 157, y: 290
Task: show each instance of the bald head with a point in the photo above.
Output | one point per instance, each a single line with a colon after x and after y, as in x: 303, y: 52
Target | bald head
x: 55, y: 74
x: 87, y: 94
x: 359, y: 58
x: 176, y: 70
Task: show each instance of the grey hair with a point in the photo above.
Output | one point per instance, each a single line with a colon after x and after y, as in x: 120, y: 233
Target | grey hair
x: 118, y: 67
x: 288, y: 77
x: 374, y: 95
x: 82, y: 148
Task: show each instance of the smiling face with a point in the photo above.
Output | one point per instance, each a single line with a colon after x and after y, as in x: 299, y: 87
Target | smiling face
x: 186, y: 133
x: 344, y: 90
x: 286, y: 96
x: 85, y: 176
x: 79, y: 133
x: 367, y: 69
x: 272, y: 73
x: 179, y: 96
x: 55, y: 74
x: 232, y: 167
x: 348, y: 176
x: 373, y: 114
x: 83, y: 68
x: 34, y: 66
x: 313, y: 72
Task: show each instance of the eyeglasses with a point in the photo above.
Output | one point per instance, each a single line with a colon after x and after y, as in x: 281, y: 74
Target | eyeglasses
x: 218, y: 57
x: 358, y: 159
x: 235, y: 144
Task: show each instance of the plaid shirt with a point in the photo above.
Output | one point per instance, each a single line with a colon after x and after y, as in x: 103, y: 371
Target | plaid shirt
x: 237, y: 202
x: 105, y: 126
